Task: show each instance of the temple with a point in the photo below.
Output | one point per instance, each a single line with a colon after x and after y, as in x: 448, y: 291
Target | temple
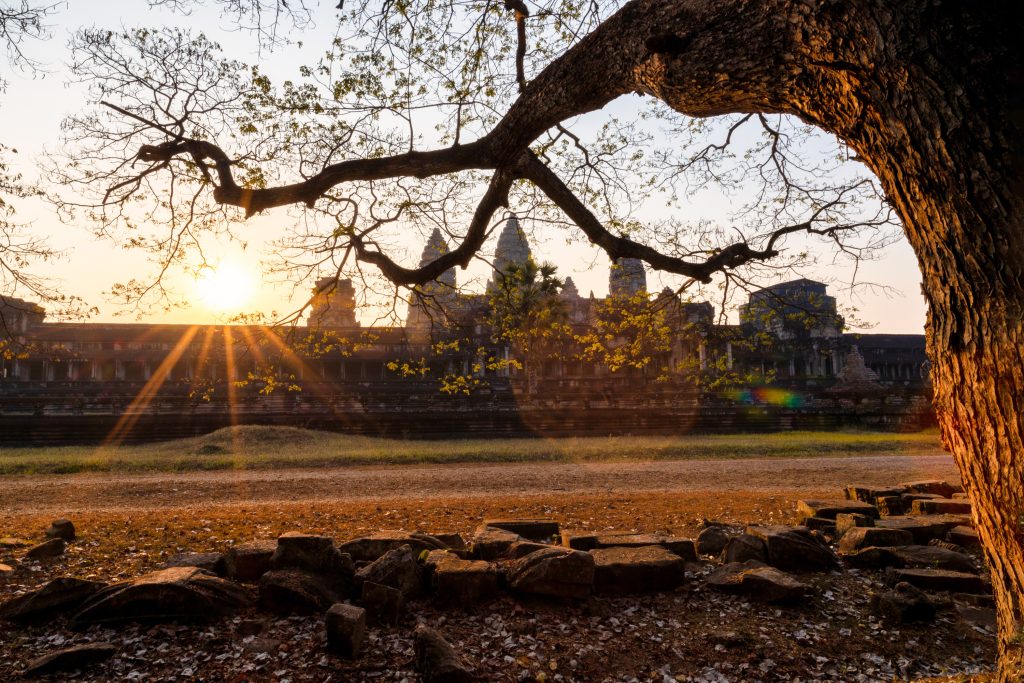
x: 789, y: 336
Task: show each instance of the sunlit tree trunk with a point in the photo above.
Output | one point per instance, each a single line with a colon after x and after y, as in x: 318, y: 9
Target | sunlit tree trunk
x: 929, y: 95
x: 941, y: 131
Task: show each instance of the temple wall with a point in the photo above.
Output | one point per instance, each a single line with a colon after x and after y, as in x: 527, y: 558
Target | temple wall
x: 55, y: 413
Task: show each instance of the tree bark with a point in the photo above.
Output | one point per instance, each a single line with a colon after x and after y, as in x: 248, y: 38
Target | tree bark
x: 930, y: 95
x: 938, y: 125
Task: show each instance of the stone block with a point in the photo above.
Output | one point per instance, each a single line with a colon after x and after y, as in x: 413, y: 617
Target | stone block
x: 176, y: 594
x: 249, y: 561
x: 346, y: 628
x: 579, y: 540
x: 713, y: 539
x: 644, y: 569
x: 794, y: 549
x: 490, y: 544
x: 868, y: 494
x: 830, y: 508
x: 524, y: 548
x: 69, y: 659
x: 848, y: 520
x: 940, y: 580
x: 61, y: 528
x: 933, y: 557
x: 530, y: 529
x: 963, y: 535
x: 936, y: 486
x: 211, y: 562
x: 822, y: 524
x: 57, y: 598
x: 369, y: 548
x: 396, y: 568
x: 462, y: 582
x: 743, y: 548
x: 294, y: 591
x: 683, y: 547
x: 47, y: 550
x: 941, y: 507
x: 871, y: 558
x: 453, y: 540
x: 384, y: 605
x: 922, y: 527
x: 858, y: 538
x: 316, y: 555
x: 889, y: 506
x: 757, y: 581
x: 908, y: 498
x: 558, y: 572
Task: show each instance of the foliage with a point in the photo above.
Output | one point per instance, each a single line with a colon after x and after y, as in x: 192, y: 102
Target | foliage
x: 526, y: 314
x: 398, y: 129
x: 21, y: 247
x: 631, y: 331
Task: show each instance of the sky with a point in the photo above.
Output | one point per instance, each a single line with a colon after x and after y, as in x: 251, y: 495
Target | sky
x: 34, y: 105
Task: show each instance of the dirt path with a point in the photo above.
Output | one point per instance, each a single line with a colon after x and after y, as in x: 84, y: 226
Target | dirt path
x: 64, y: 494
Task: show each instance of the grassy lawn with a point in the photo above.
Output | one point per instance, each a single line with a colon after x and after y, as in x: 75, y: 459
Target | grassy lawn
x: 253, y: 447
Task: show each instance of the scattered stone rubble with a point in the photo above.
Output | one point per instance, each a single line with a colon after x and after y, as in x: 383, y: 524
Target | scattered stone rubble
x: 915, y: 546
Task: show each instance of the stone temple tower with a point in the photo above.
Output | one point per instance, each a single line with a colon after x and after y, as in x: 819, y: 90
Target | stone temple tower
x: 435, y: 248
x: 627, y: 277
x: 334, y: 303
x: 426, y: 312
x: 512, y: 248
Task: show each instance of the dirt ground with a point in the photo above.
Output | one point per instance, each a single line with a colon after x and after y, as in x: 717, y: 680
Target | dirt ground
x: 130, y: 524
x: 59, y: 494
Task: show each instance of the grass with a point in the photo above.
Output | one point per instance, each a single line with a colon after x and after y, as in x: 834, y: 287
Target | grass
x: 255, y: 447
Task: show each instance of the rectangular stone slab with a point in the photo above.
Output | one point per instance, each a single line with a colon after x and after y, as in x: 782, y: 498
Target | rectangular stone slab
x: 942, y: 488
x: 923, y: 527
x: 683, y: 547
x: 579, y: 540
x: 868, y: 494
x: 940, y: 507
x: 940, y: 580
x: 870, y: 536
x: 963, y: 535
x: 830, y: 508
x: 645, y: 569
x: 532, y: 529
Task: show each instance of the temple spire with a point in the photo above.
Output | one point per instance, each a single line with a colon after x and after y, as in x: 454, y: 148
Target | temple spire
x: 627, y: 277
x: 513, y: 248
x: 435, y: 248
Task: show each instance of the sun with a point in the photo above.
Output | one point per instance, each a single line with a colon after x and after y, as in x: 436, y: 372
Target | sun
x: 226, y: 288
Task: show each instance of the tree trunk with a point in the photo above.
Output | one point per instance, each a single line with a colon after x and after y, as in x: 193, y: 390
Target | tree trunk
x: 941, y: 131
x: 930, y: 94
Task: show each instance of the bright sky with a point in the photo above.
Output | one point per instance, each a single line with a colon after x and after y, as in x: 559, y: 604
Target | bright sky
x: 30, y: 116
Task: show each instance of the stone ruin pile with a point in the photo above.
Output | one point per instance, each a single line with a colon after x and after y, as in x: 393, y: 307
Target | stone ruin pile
x: 919, y: 535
